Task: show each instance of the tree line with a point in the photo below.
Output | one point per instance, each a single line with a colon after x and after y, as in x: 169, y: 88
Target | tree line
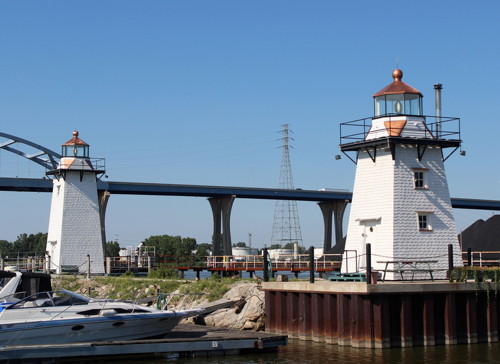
x: 30, y: 245
x: 27, y: 245
x: 177, y: 245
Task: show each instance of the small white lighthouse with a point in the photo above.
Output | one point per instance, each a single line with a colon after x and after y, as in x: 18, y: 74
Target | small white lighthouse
x: 401, y: 203
x: 75, y: 225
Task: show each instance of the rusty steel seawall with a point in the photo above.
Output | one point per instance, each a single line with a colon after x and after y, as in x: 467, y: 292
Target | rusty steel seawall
x: 383, y: 315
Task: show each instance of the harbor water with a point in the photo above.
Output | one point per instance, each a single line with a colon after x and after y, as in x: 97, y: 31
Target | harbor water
x: 310, y: 352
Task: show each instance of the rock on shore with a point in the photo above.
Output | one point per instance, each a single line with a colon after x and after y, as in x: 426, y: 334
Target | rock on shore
x: 247, y: 314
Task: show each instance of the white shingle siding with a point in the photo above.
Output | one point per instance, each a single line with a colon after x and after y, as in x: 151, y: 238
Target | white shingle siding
x: 75, y: 223
x: 372, y: 199
x: 385, y: 189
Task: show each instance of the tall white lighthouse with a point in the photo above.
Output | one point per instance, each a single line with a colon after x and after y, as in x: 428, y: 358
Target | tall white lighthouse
x: 75, y: 225
x: 401, y: 203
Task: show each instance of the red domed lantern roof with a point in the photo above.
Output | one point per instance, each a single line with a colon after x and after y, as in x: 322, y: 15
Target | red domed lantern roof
x: 75, y: 140
x: 398, y: 86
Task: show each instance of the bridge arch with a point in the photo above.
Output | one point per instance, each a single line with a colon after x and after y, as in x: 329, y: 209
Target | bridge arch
x: 45, y: 157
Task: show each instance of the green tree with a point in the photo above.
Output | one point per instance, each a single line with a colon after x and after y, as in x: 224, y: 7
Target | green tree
x: 32, y: 244
x: 186, y: 246
x: 112, y: 249
x: 5, y: 248
x: 302, y: 250
x: 171, y: 245
x: 240, y: 244
x: 164, y: 244
x: 275, y: 246
x: 203, y: 250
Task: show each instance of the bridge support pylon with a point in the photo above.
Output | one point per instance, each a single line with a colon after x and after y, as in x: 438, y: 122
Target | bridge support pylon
x: 332, y: 211
x: 221, y: 210
x: 103, y: 198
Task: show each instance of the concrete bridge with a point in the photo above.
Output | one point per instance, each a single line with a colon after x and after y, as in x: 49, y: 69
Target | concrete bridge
x: 221, y: 198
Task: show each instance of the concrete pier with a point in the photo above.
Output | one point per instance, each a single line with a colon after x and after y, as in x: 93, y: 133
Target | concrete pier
x: 383, y: 315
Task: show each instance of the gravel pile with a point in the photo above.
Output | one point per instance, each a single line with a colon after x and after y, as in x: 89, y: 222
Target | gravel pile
x: 482, y: 236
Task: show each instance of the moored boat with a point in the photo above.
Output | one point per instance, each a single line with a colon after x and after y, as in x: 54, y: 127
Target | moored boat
x: 17, y: 285
x: 57, y: 317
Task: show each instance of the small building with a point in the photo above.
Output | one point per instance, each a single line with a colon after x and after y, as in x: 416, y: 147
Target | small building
x: 281, y: 254
x: 245, y: 253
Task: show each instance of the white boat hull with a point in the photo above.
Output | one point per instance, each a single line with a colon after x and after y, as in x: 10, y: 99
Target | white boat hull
x: 88, y: 330
x: 65, y: 317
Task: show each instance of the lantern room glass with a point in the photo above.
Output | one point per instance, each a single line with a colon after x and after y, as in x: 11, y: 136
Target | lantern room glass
x: 398, y: 104
x: 75, y: 150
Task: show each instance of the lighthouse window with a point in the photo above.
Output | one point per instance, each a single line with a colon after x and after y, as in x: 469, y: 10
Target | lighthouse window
x: 420, y: 179
x: 424, y: 221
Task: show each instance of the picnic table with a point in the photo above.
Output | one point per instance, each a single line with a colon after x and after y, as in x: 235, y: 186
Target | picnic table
x: 408, y: 266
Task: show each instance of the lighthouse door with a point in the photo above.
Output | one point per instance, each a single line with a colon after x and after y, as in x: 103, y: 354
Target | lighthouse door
x: 368, y: 236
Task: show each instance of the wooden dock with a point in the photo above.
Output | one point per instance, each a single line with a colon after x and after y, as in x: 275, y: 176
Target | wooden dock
x: 183, y: 341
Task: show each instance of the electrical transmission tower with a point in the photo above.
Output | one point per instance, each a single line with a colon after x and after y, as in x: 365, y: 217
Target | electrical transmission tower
x: 286, y: 225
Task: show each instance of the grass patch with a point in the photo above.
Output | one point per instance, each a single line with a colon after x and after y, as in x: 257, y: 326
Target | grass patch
x: 126, y: 287
x: 69, y: 282
x: 213, y: 287
x: 129, y: 288
x: 163, y: 273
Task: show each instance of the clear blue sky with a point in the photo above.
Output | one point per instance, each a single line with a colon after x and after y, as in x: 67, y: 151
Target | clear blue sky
x: 195, y: 92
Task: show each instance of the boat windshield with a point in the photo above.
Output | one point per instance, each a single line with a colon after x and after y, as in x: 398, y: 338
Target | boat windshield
x: 48, y: 299
x: 14, y: 297
x: 4, y: 281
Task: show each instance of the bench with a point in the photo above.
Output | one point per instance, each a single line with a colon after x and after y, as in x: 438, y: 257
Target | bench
x: 69, y: 269
x: 347, y: 277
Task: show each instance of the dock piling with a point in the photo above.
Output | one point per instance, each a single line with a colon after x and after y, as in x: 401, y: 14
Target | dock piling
x: 265, y: 267
x: 368, y: 263
x: 88, y: 266
x: 450, y: 260
x: 311, y: 264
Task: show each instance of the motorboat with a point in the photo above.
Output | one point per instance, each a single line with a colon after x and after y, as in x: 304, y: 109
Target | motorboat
x: 26, y: 283
x: 17, y: 285
x: 58, y: 317
x: 9, y: 283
